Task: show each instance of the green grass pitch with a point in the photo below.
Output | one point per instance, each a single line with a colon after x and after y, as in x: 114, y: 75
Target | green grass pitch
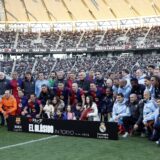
x: 73, y: 148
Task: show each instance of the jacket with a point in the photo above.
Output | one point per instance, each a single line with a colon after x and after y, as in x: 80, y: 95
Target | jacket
x: 148, y: 110
x: 94, y: 112
x: 141, y: 79
x: 120, y: 109
x: 9, y: 105
x: 99, y: 83
x: 29, y: 87
x: 38, y: 86
x: 126, y: 90
x: 138, y: 90
x: 4, y: 85
x: 136, y: 111
x: 84, y: 84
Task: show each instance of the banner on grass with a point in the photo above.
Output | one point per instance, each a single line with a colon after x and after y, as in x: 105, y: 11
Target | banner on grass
x: 88, y: 129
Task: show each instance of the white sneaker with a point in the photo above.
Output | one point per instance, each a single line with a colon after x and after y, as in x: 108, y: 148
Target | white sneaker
x: 125, y: 135
x: 143, y: 135
x: 158, y: 142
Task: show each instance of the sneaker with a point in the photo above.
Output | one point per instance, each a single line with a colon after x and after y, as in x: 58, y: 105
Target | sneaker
x: 143, y: 135
x: 158, y: 142
x: 125, y: 135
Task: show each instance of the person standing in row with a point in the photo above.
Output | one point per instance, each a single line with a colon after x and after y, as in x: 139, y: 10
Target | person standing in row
x: 4, y: 85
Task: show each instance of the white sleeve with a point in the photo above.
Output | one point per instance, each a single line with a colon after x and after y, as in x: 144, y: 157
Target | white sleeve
x: 52, y: 109
x: 126, y: 113
x: 114, y: 112
x: 46, y: 108
x: 95, y: 110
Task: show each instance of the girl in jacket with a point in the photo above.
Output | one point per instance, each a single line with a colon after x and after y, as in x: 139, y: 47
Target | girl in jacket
x: 69, y: 114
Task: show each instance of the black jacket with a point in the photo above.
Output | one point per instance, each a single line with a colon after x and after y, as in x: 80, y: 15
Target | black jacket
x: 139, y: 90
x: 157, y: 92
x: 28, y: 87
x: 4, y: 85
x: 136, y: 110
x: 43, y: 97
x: 84, y: 84
x: 107, y: 104
x: 99, y: 83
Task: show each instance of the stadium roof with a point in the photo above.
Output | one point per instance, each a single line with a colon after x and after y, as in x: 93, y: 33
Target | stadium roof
x: 77, y: 14
x: 76, y: 10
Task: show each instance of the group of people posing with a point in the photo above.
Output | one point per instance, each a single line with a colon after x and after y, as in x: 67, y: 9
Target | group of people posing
x: 131, y: 100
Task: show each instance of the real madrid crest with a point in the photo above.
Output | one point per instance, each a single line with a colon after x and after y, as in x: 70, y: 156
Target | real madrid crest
x: 102, y: 127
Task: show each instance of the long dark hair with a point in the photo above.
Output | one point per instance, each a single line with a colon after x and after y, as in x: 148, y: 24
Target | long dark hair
x: 57, y: 99
x: 90, y: 101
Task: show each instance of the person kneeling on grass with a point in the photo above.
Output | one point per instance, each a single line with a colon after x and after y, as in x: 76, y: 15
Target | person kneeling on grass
x: 149, y: 109
x: 156, y: 126
x: 120, y: 110
x: 8, y: 105
x: 134, y: 121
x: 34, y: 108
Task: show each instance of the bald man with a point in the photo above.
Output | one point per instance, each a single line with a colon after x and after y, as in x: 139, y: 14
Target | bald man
x: 149, y: 109
x: 8, y: 105
x: 76, y: 95
x: 124, y: 88
x: 134, y: 121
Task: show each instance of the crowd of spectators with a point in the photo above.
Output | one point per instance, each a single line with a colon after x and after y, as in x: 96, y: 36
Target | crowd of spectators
x: 139, y: 37
x: 25, y: 40
x: 92, y: 38
x: 50, y: 39
x: 123, y: 89
x: 7, y: 39
x: 6, y: 66
x: 70, y: 39
x: 153, y: 36
x: 113, y: 38
x: 105, y: 64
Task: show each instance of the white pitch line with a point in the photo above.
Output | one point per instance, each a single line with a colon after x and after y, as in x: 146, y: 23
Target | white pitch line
x: 24, y: 143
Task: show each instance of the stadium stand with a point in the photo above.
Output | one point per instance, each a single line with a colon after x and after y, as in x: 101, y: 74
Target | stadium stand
x: 79, y: 39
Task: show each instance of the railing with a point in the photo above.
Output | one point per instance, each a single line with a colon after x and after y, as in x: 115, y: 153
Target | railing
x: 59, y: 40
x: 34, y: 66
x: 16, y: 40
x: 80, y: 39
x: 54, y: 66
x: 14, y: 65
